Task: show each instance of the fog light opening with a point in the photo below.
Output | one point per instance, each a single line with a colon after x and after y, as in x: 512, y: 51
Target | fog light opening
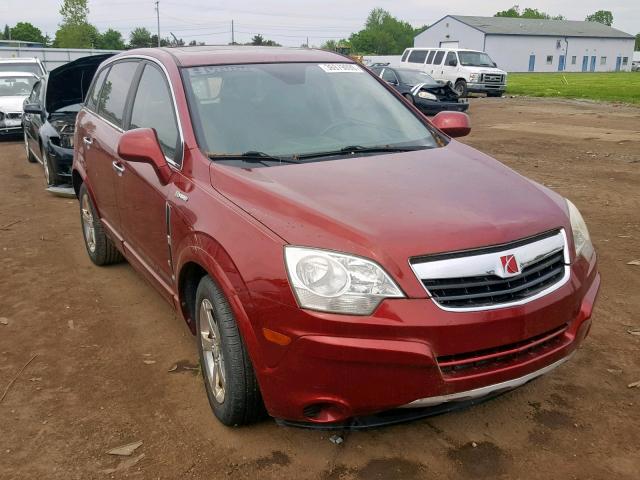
x: 324, y: 412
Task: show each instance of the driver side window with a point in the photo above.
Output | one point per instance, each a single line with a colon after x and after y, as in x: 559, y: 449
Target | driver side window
x: 34, y: 97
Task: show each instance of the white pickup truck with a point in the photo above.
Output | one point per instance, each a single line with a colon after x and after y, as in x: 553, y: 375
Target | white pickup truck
x: 469, y: 71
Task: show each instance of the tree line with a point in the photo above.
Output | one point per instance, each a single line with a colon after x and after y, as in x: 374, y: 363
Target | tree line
x: 383, y: 34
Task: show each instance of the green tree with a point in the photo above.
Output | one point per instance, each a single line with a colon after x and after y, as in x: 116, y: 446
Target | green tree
x: 637, y: 47
x: 141, y: 38
x: 329, y: 45
x: 515, y: 12
x: 110, y: 40
x: 74, y: 12
x: 601, y: 16
x: 257, y: 40
x: 7, y: 33
x: 383, y: 34
x: 75, y: 31
x: 27, y: 32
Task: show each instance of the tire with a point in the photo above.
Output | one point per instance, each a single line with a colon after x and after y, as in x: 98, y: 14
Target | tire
x: 494, y: 94
x: 409, y: 97
x: 31, y: 158
x: 100, y: 247
x: 461, y: 88
x: 229, y: 378
x: 51, y: 177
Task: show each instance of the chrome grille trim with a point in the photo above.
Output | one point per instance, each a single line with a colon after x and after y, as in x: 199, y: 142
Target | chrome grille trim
x: 464, y: 265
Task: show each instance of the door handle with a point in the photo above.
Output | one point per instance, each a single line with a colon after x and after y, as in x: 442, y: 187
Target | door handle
x: 118, y: 167
x: 87, y: 140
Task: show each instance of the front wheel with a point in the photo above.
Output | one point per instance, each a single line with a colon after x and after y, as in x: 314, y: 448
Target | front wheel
x: 229, y: 377
x: 461, y: 88
x: 50, y: 175
x: 100, y: 248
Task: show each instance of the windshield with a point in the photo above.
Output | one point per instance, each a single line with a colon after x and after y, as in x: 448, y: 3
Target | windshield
x: 16, y: 86
x: 20, y: 67
x: 411, y: 77
x: 475, y: 59
x: 293, y: 109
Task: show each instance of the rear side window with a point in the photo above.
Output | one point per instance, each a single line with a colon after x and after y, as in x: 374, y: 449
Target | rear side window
x: 92, y: 99
x: 153, y: 108
x: 430, y: 57
x: 417, y: 56
x: 113, y: 96
x: 404, y: 56
x: 437, y: 60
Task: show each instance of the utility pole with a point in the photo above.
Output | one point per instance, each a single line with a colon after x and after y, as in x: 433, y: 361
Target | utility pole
x: 307, y: 42
x: 233, y: 36
x: 158, y: 18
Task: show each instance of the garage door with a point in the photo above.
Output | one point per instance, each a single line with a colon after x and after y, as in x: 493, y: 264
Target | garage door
x: 449, y: 44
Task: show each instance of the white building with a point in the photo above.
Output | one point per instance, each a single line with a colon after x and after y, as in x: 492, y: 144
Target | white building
x: 532, y: 45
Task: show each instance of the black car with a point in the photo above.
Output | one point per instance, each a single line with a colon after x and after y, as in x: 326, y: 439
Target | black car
x: 422, y: 90
x: 50, y: 115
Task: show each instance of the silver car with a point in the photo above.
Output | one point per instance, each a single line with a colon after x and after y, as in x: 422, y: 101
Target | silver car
x: 14, y: 88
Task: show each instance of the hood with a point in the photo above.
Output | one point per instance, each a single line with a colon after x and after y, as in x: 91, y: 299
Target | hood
x: 68, y: 84
x: 395, y: 206
x: 12, y: 104
x: 486, y: 70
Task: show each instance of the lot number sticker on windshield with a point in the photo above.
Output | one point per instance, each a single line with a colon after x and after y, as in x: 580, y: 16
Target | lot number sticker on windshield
x: 340, y: 68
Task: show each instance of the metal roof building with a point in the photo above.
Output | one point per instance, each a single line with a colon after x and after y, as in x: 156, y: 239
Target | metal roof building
x: 522, y: 44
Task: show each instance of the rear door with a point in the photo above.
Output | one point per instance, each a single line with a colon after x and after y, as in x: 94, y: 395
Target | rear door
x: 100, y: 126
x: 436, y: 67
x: 141, y: 197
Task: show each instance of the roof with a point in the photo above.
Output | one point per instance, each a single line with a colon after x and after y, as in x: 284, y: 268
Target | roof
x: 18, y: 74
x: 539, y: 27
x: 19, y: 60
x: 234, y: 54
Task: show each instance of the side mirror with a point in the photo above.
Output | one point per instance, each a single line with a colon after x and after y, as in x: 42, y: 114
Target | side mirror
x: 454, y: 124
x: 34, y: 108
x: 142, y: 145
x: 453, y: 63
x: 495, y: 65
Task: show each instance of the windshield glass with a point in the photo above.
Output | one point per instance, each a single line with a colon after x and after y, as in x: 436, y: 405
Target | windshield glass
x: 16, y: 86
x: 293, y: 109
x: 411, y: 77
x: 20, y: 67
x: 75, y: 108
x: 475, y: 59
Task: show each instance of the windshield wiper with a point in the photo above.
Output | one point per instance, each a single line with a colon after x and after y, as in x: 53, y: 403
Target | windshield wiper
x: 251, y: 157
x: 352, y: 149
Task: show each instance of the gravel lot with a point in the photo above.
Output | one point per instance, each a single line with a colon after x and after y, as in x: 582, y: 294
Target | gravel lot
x: 105, y: 342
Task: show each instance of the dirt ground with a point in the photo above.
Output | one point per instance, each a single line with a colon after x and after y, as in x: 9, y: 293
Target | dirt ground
x: 105, y: 342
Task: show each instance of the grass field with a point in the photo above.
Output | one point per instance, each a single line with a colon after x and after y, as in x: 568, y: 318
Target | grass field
x: 611, y: 87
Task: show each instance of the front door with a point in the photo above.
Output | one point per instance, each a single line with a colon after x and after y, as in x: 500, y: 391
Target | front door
x: 561, y: 63
x: 593, y: 64
x: 532, y: 63
x: 618, y: 63
x: 450, y: 68
x: 585, y: 63
x: 142, y: 199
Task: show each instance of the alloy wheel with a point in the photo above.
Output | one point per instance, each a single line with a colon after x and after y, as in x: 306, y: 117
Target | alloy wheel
x: 213, y: 357
x: 87, y: 224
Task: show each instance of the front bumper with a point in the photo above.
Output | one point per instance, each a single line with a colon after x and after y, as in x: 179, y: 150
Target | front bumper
x: 432, y: 107
x: 61, y: 159
x: 10, y: 126
x: 373, y: 364
x: 485, y: 87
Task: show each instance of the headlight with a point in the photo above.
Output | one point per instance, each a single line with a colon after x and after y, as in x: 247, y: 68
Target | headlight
x: 427, y: 95
x: 474, y: 77
x: 65, y: 131
x: 334, y: 282
x: 581, y: 238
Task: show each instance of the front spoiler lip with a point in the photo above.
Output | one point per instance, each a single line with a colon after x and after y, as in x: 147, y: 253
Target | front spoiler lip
x: 488, y: 390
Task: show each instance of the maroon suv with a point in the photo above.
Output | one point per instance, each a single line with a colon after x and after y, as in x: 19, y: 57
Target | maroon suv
x: 335, y: 253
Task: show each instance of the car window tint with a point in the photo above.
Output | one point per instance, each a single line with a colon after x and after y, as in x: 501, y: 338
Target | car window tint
x: 404, y: 56
x: 451, y: 57
x: 114, y: 93
x: 389, y: 76
x: 437, y: 60
x: 92, y: 99
x: 35, y: 93
x: 430, y: 57
x: 417, y: 56
x: 153, y: 108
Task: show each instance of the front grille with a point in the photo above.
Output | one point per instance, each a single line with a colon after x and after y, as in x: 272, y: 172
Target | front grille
x: 482, y: 360
x: 492, y: 78
x: 485, y: 290
x: 14, y: 116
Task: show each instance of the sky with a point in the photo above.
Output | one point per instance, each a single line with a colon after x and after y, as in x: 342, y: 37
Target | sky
x: 289, y: 22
